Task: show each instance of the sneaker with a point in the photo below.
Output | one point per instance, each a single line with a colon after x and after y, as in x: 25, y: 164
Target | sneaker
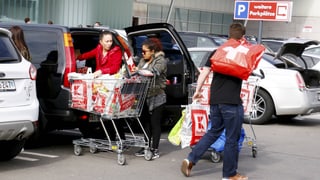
x: 186, y: 167
x: 237, y: 177
x: 139, y: 153
x: 155, y: 154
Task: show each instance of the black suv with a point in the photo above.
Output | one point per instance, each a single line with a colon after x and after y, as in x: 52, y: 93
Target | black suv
x: 53, y: 47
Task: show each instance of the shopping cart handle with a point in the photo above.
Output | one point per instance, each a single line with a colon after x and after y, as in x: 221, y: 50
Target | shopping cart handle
x: 261, y: 74
x: 143, y: 72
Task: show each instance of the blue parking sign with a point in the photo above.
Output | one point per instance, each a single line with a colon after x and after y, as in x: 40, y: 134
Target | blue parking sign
x: 241, y: 9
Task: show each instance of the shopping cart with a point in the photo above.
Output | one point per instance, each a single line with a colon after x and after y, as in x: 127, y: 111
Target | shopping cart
x: 111, y: 99
x: 249, y: 91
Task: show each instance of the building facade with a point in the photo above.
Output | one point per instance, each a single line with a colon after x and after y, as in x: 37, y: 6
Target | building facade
x: 212, y: 16
x: 115, y: 14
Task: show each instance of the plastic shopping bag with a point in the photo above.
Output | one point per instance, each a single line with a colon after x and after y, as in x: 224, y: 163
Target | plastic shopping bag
x: 195, y: 124
x: 237, y: 58
x: 174, y: 135
x: 81, y: 90
x: 218, y: 145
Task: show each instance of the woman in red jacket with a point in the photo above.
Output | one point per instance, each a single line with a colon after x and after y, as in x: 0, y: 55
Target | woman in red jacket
x: 108, y: 55
x: 108, y: 61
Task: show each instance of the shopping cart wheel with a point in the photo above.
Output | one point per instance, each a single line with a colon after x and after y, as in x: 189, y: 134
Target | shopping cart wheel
x: 77, y: 150
x: 147, y: 155
x: 93, y: 150
x: 121, y: 159
x: 215, y: 157
x: 254, y: 152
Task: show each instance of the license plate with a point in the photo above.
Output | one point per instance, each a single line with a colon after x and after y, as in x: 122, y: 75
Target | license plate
x: 7, y: 85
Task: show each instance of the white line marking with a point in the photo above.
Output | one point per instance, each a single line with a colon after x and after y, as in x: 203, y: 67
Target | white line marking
x: 39, y: 154
x: 25, y: 158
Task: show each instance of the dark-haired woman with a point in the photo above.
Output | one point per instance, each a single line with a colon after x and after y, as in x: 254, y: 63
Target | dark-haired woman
x: 18, y: 38
x: 153, y: 59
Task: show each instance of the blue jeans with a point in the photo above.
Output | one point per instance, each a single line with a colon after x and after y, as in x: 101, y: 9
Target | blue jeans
x: 222, y: 116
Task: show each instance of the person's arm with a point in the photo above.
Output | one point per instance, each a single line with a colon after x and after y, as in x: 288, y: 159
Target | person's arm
x: 202, y: 77
x: 159, y: 66
x: 88, y: 55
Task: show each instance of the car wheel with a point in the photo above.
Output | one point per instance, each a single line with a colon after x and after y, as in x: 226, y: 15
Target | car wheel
x: 262, y: 110
x: 36, y: 139
x: 10, y: 149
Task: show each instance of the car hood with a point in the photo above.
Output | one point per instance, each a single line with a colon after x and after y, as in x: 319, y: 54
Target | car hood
x: 295, y: 46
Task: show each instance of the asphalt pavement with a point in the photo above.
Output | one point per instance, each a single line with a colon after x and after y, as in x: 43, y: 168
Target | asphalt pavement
x: 285, y: 150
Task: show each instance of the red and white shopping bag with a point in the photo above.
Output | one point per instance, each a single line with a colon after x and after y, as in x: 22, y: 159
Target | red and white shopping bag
x: 195, y: 124
x: 110, y: 101
x: 237, y: 58
x: 81, y: 92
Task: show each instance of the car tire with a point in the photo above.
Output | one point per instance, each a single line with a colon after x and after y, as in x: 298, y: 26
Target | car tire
x: 263, y: 109
x: 10, y: 149
x: 36, y: 139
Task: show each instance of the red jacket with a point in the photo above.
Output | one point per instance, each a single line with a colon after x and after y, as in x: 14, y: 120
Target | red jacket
x: 110, y: 64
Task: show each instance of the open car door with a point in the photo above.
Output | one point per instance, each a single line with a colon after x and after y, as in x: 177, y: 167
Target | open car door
x: 181, y: 70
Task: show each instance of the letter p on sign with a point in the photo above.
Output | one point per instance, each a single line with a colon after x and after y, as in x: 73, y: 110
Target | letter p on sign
x: 241, y: 9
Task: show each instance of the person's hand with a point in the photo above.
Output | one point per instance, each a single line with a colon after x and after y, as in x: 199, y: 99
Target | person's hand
x: 97, y: 74
x: 196, y: 96
x: 77, y: 53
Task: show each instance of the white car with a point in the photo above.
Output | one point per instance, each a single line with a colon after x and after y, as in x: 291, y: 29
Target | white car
x: 19, y: 106
x: 288, y: 89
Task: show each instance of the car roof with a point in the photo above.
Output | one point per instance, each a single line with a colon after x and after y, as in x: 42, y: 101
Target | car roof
x: 33, y: 26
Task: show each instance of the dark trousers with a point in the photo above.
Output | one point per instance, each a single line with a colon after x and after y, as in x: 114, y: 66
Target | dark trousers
x: 151, y: 122
x: 222, y: 116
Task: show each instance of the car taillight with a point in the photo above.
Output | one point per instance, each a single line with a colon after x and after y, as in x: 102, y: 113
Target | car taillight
x: 70, y: 65
x: 32, y: 72
x: 300, y: 82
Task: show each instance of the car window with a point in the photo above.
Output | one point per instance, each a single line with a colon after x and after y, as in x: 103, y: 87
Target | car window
x: 273, y: 45
x: 311, y: 61
x: 205, y: 42
x: 7, y: 50
x: 167, y: 42
x: 199, y: 57
x: 189, y: 40
x: 313, y: 50
x: 40, y: 44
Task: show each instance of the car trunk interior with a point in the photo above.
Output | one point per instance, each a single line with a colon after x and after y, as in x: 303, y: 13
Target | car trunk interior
x: 311, y: 77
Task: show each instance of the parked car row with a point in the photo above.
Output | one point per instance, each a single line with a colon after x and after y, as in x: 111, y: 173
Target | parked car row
x: 291, y: 85
x: 52, y: 48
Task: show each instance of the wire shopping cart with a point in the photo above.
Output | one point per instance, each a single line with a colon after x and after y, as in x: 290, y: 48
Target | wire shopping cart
x: 111, y: 99
x: 249, y: 91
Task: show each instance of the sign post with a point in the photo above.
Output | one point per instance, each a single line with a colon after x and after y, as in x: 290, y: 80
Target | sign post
x: 263, y: 11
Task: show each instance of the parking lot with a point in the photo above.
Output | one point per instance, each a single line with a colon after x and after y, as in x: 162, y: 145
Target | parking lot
x: 286, y: 150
